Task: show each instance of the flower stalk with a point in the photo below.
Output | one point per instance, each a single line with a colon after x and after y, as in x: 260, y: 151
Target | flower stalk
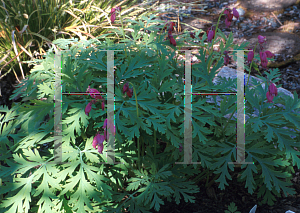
x: 138, y: 139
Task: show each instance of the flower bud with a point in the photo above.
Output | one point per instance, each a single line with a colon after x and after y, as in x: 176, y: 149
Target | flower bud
x: 269, y: 97
x: 236, y: 13
x: 250, y: 56
x: 88, y: 108
x: 261, y: 39
x: 125, y: 88
x: 273, y: 89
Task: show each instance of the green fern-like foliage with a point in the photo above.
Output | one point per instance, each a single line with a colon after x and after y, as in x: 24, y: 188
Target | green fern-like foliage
x: 32, y: 181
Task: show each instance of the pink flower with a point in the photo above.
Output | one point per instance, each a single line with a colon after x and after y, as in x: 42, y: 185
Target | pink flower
x: 192, y: 35
x: 210, y: 35
x: 172, y: 24
x: 108, y: 124
x: 264, y: 60
x: 113, y: 18
x: 261, y: 39
x: 172, y: 40
x: 236, y: 14
x: 98, y: 141
x: 113, y: 13
x: 130, y: 92
x: 226, y: 59
x: 229, y: 17
x: 102, y: 105
x: 88, y: 108
x: 227, y: 11
x: 100, y: 147
x: 227, y: 23
x: 273, y: 89
x: 269, y: 54
x: 89, y: 90
x: 180, y: 147
x: 125, y: 88
x: 269, y: 97
x: 250, y: 56
x: 118, y: 9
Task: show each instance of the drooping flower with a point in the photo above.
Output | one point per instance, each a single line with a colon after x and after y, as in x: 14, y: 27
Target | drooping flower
x: 180, y: 147
x: 125, y: 88
x: 261, y: 39
x: 130, y: 92
x: 100, y: 147
x: 172, y: 25
x: 210, y: 34
x: 269, y: 54
x: 102, y: 105
x: 108, y: 124
x: 226, y: 58
x: 250, y: 56
x: 172, y: 40
x: 236, y: 13
x: 113, y: 15
x: 273, y: 89
x: 269, y: 97
x: 192, y: 34
x: 263, y: 59
x: 227, y: 11
x: 88, y: 108
x: 98, y: 141
x: 227, y: 23
x: 229, y: 17
x: 92, y: 93
x: 105, y: 124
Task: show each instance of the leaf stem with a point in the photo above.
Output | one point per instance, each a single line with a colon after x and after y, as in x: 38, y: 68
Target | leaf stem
x: 154, y: 142
x: 212, y: 45
x: 138, y: 139
x: 251, y: 67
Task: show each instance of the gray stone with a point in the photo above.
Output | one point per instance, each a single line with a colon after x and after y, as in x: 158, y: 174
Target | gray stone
x: 267, y: 6
x: 232, y: 73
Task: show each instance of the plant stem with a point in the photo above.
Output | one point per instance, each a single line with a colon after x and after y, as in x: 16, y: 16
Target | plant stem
x: 138, y: 139
x: 228, y: 121
x: 212, y: 45
x: 212, y: 181
x: 123, y: 32
x: 154, y: 142
x: 251, y: 67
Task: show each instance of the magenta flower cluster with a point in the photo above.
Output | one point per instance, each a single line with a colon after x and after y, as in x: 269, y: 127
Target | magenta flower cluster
x: 98, y: 139
x: 230, y: 15
x: 113, y: 13
x: 127, y: 90
x: 272, y: 91
x: 93, y: 94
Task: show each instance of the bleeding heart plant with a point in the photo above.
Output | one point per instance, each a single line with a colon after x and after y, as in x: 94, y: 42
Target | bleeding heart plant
x: 149, y: 65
